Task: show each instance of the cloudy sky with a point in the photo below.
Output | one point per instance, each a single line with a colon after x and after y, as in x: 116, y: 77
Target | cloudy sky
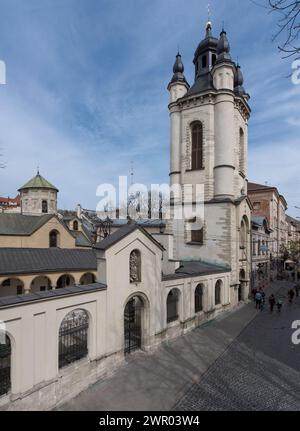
x: 86, y: 91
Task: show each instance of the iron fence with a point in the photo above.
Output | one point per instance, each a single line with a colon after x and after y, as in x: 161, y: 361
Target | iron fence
x: 5, y: 366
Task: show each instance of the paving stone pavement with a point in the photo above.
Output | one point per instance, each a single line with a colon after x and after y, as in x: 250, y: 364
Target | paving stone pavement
x: 244, y: 360
x: 260, y: 370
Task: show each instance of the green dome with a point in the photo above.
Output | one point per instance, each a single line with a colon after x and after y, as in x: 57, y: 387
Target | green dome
x: 38, y: 182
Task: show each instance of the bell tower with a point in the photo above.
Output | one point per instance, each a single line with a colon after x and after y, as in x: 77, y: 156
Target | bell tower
x: 209, y: 135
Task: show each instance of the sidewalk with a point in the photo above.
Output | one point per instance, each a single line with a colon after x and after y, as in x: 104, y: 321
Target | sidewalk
x: 157, y: 381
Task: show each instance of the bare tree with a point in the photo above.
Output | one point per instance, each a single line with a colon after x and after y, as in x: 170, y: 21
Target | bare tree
x: 288, y: 25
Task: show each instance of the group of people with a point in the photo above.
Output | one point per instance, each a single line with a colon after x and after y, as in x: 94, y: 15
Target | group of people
x: 260, y: 298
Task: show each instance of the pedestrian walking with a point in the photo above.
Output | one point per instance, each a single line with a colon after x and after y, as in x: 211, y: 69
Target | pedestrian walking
x: 254, y: 293
x: 297, y: 289
x: 291, y: 295
x: 272, y: 302
x: 279, y: 305
x: 258, y: 299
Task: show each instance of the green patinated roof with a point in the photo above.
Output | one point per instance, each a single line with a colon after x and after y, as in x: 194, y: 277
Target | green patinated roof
x: 38, y: 182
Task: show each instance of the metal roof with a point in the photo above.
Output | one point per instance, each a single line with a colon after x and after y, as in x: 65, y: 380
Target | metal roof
x: 15, y: 261
x: 194, y: 269
x: 80, y: 239
x: 9, y: 301
x: 19, y: 224
x: 38, y: 182
x: 122, y: 233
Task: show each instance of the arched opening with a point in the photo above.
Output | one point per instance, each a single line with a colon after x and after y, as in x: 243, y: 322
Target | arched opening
x: 214, y: 59
x: 12, y: 287
x: 75, y: 225
x: 242, y: 285
x: 204, y: 61
x: 197, y: 146
x: 199, y: 298
x: 44, y: 207
x: 173, y: 306
x: 65, y: 281
x: 40, y: 284
x: 135, y: 264
x: 134, y: 324
x: 87, y: 278
x: 54, y: 238
x: 218, y: 292
x: 5, y: 366
x: 73, y: 337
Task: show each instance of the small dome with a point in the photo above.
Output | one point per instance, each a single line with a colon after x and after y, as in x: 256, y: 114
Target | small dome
x: 238, y: 82
x: 178, y: 65
x: 178, y: 70
x: 238, y: 77
x: 223, y: 48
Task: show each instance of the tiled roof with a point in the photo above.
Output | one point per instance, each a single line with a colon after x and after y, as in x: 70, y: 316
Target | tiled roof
x: 36, y: 260
x: 254, y: 187
x: 193, y: 269
x: 10, y: 201
x: 9, y: 301
x: 19, y: 224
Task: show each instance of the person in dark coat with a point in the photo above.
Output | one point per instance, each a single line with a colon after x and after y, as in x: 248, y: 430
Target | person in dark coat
x: 272, y: 302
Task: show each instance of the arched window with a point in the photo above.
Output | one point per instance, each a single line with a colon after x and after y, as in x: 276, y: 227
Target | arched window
x: 53, y: 238
x: 75, y: 225
x: 199, y: 299
x: 197, y: 146
x: 5, y: 366
x: 218, y: 288
x: 242, y: 151
x: 204, y: 61
x: 73, y: 337
x: 172, y: 306
x: 214, y: 59
x: 44, y: 207
x: 135, y: 267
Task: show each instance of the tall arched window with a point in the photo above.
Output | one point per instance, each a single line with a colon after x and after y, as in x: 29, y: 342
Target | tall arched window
x: 199, y: 299
x: 172, y: 306
x: 218, y: 289
x: 75, y: 225
x: 73, y: 337
x: 44, y: 207
x: 197, y: 146
x: 53, y: 238
x: 135, y: 267
x: 5, y: 366
x: 242, y: 161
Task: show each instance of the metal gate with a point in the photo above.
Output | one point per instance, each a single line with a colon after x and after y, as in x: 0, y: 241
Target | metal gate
x: 5, y: 365
x: 133, y: 325
x: 73, y: 338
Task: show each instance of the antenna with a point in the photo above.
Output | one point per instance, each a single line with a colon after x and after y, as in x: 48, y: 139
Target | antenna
x: 131, y: 174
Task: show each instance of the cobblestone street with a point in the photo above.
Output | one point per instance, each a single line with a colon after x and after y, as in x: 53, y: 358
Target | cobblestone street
x: 259, y: 371
x: 244, y: 360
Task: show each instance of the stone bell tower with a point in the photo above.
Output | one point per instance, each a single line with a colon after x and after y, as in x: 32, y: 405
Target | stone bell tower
x: 209, y: 135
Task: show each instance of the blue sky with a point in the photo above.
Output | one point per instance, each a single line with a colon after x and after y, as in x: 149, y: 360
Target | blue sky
x: 86, y: 91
